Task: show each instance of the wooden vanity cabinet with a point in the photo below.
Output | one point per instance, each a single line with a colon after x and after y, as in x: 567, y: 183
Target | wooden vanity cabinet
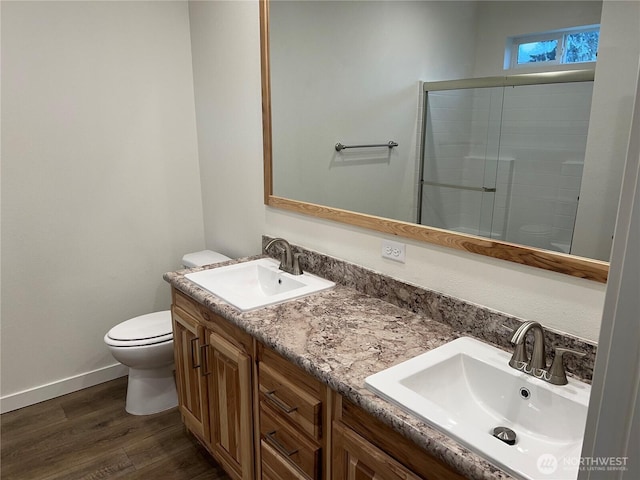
x: 217, y: 357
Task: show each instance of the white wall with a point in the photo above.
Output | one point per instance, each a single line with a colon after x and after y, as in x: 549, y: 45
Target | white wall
x: 100, y: 181
x: 568, y: 304
x: 227, y: 85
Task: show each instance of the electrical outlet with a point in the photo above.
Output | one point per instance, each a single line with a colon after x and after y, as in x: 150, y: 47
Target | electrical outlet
x: 393, y: 250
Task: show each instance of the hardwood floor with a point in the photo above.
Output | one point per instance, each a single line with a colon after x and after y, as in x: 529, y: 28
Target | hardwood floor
x: 88, y: 435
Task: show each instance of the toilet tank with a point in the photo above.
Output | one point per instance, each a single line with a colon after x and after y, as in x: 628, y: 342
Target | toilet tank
x: 204, y: 257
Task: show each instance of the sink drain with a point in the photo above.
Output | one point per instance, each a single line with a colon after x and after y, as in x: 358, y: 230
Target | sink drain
x: 505, y: 434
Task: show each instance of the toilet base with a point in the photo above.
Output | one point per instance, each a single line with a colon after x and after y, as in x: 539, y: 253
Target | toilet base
x: 151, y: 391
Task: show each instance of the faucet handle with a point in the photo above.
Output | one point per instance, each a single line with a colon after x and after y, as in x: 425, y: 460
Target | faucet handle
x: 557, y: 374
x: 296, y: 270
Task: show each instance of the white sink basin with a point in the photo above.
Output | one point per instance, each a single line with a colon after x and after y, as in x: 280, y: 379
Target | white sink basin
x: 466, y: 388
x: 257, y: 283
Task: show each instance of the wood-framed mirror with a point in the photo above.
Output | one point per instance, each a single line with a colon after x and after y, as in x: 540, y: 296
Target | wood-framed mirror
x: 577, y: 266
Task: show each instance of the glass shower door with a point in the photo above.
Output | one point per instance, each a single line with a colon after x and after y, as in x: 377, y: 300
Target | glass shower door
x: 460, y: 167
x: 544, y: 136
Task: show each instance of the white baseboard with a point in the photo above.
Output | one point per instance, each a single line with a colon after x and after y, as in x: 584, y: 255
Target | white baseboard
x: 61, y: 387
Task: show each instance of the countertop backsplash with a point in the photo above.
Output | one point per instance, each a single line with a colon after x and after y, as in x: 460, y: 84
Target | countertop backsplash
x: 464, y: 317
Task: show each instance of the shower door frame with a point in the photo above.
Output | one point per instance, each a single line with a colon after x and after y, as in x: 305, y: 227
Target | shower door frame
x: 540, y: 78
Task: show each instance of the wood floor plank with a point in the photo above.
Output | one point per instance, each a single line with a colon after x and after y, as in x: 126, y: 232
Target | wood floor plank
x: 88, y: 435
x: 160, y: 445
x: 79, y: 439
x: 184, y: 465
x: 209, y: 475
x: 107, y: 395
x: 102, y: 466
x: 26, y: 420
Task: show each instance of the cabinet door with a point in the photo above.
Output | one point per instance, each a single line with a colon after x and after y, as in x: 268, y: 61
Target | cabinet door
x: 354, y: 458
x: 188, y: 338
x: 231, y: 406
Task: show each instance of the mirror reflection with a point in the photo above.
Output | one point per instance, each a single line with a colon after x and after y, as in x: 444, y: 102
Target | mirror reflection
x: 506, y: 162
x: 353, y: 73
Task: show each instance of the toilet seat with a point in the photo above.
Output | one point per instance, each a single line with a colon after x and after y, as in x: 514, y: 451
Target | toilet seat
x: 149, y: 329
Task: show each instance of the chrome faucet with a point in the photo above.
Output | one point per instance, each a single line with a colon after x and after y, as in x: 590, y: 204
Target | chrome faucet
x: 537, y: 366
x: 289, y: 261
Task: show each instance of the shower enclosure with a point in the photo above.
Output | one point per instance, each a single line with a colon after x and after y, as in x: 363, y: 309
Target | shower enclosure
x: 502, y: 157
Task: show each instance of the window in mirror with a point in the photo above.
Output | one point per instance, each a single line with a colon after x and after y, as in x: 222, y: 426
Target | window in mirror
x: 538, y: 51
x: 571, y: 46
x: 582, y: 46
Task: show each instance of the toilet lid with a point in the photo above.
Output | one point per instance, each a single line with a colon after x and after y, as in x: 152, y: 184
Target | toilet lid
x: 156, y: 326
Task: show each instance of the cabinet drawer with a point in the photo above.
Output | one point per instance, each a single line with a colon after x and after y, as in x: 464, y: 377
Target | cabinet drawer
x: 290, y: 444
x: 283, y: 395
x: 275, y: 467
x: 292, y: 393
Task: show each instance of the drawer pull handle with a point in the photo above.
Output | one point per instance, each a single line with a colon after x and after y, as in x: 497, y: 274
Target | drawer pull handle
x: 275, y: 443
x: 194, y: 363
x: 203, y: 356
x: 279, y: 403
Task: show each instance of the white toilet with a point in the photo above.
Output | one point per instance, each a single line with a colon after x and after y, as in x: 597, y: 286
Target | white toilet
x: 536, y: 235
x: 145, y: 345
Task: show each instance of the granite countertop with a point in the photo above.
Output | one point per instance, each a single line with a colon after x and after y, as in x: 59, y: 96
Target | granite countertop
x: 341, y: 336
